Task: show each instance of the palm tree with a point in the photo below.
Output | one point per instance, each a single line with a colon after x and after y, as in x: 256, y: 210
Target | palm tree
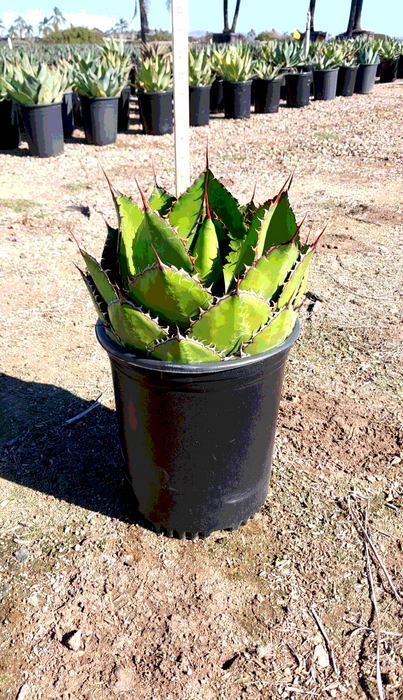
x: 354, y: 21
x: 227, y: 28
x: 57, y: 18
x: 19, y: 26
x: 312, y: 5
x: 122, y: 26
x: 44, y: 26
x: 2, y: 26
x: 29, y: 31
x: 142, y: 7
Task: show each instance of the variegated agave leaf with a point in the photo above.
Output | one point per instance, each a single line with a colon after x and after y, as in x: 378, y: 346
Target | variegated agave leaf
x: 292, y: 286
x: 231, y: 322
x: 184, y: 351
x: 134, y: 328
x: 171, y: 294
x: 279, y: 327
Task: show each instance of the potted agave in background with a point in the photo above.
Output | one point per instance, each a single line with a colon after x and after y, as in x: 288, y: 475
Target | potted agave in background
x: 267, y: 84
x: 154, y: 84
x: 389, y: 52
x: 200, y: 79
x: 367, y: 59
x: 235, y: 67
x: 198, y: 302
x: 38, y: 92
x: 348, y: 69
x: 325, y: 72
x: 99, y: 88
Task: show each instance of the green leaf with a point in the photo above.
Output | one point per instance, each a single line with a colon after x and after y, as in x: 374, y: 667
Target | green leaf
x: 268, y: 274
x: 301, y: 290
x: 154, y: 230
x: 134, y: 328
x: 185, y: 212
x: 99, y: 276
x: 99, y: 304
x: 280, y: 225
x: 171, y: 294
x: 292, y: 285
x: 161, y: 201
x: 248, y: 211
x: 243, y: 253
x: 231, y: 322
x: 208, y: 262
x: 131, y: 217
x: 275, y: 333
x: 226, y: 207
x: 184, y: 351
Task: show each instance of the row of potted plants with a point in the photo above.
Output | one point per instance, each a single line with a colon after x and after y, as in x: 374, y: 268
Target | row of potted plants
x: 91, y: 89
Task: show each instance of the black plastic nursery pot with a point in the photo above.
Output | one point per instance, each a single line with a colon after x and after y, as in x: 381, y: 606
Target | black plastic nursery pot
x: 346, y: 80
x: 217, y: 96
x: 400, y: 67
x: 365, y: 78
x: 298, y: 88
x: 267, y: 95
x: 77, y: 111
x: 197, y: 439
x: 283, y: 88
x: 9, y: 130
x: 325, y: 84
x: 124, y: 109
x: 388, y: 72
x: 156, y: 112
x: 199, y: 105
x: 43, y: 128
x: 237, y: 99
x: 100, y: 117
x: 68, y: 115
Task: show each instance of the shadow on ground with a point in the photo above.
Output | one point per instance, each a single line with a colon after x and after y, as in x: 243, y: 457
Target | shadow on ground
x: 79, y: 463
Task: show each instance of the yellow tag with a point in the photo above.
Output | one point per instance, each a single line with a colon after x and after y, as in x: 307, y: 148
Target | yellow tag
x: 296, y: 34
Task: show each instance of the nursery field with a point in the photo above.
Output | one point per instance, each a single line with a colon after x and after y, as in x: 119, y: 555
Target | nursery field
x: 283, y: 607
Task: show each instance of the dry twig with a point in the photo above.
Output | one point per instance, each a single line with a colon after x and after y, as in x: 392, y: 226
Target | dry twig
x: 375, y: 604
x: 327, y: 640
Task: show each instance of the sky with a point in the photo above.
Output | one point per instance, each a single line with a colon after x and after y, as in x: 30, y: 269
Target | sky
x: 385, y: 17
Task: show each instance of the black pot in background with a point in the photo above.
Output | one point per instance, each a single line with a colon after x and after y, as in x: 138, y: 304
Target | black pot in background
x: 124, y: 109
x: 9, y: 131
x: 199, y: 105
x: 208, y: 466
x: 237, y: 99
x: 100, y: 117
x: 77, y: 112
x: 132, y: 79
x: 217, y: 95
x: 252, y: 93
x: 156, y: 112
x: 283, y: 88
x: 43, y: 127
x: 298, y: 89
x: 389, y: 69
x: 400, y: 67
x: 346, y: 80
x: 267, y: 95
x: 365, y: 78
x: 325, y: 83
x: 68, y: 115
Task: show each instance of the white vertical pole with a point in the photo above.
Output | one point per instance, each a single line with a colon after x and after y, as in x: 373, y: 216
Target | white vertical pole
x: 180, y: 30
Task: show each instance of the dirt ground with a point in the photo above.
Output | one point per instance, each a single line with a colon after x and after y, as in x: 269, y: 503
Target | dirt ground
x: 230, y: 617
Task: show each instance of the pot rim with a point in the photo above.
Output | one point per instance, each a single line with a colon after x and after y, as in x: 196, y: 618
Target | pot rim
x: 122, y: 355
x: 48, y: 104
x: 160, y: 92
x: 97, y: 99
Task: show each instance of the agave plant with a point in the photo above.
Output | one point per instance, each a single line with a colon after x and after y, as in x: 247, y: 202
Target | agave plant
x: 97, y: 81
x: 34, y: 85
x: 200, y: 278
x: 265, y: 71
x: 288, y: 54
x: 154, y: 75
x: 367, y: 54
x: 389, y: 49
x: 114, y: 55
x: 234, y: 64
x: 200, y: 72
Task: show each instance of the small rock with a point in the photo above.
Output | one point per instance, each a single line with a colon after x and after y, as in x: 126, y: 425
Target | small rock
x: 21, y: 555
x: 124, y: 680
x: 321, y: 656
x: 33, y: 600
x: 72, y: 640
x: 4, y: 589
x: 263, y: 651
x: 23, y: 692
